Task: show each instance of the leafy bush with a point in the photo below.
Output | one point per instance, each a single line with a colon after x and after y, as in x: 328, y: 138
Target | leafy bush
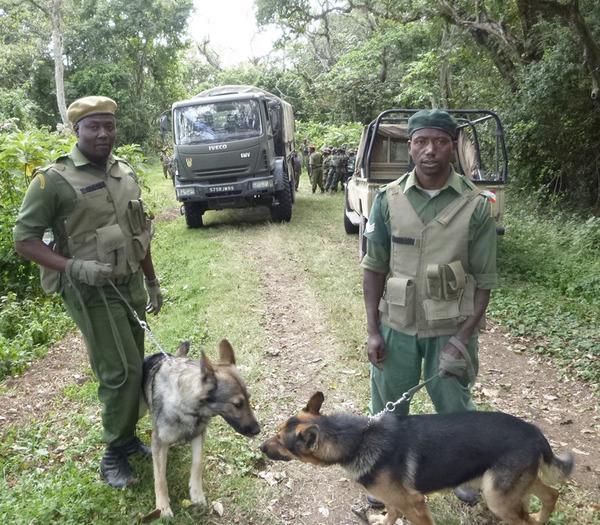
x: 550, y: 264
x: 20, y: 153
x: 27, y: 328
x: 328, y: 134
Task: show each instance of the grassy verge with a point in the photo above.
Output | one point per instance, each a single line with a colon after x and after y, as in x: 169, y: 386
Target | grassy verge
x: 550, y: 291
x: 50, y: 467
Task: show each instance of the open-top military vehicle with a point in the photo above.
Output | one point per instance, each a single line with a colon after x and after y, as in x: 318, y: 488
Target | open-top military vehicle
x: 383, y: 157
x: 232, y: 148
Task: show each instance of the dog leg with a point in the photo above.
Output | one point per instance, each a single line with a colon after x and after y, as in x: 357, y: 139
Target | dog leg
x: 196, y: 491
x: 508, y: 507
x: 547, y: 496
x: 159, y: 462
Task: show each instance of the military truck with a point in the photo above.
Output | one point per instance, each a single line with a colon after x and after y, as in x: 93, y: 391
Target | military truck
x: 383, y: 157
x: 232, y: 148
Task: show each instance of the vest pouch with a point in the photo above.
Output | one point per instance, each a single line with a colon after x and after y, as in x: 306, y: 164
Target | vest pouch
x: 136, y: 217
x: 467, y: 299
x: 436, y: 311
x: 140, y: 244
x: 50, y: 280
x: 110, y: 244
x: 399, y: 298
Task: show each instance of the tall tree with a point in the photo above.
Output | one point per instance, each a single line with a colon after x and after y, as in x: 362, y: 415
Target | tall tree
x: 53, y: 10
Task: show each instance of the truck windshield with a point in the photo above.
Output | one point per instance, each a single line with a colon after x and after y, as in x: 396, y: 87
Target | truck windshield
x: 217, y: 122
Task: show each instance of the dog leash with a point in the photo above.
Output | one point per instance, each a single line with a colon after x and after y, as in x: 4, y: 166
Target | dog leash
x: 390, y: 406
x: 143, y: 324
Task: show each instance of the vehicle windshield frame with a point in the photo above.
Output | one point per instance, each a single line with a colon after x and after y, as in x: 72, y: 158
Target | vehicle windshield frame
x: 216, y: 122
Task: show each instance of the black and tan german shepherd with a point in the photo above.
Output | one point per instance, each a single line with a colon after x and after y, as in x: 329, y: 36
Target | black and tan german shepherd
x: 182, y: 396
x: 398, y: 459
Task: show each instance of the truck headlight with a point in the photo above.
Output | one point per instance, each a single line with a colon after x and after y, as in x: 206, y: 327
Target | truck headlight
x: 186, y: 192
x: 262, y: 184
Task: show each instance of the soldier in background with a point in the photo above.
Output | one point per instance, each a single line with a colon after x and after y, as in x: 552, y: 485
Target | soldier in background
x: 297, y: 166
x: 326, y: 167
x: 305, y: 155
x: 315, y: 164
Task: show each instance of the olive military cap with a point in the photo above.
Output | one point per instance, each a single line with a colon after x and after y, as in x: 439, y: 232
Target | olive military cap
x: 86, y: 106
x: 432, y: 118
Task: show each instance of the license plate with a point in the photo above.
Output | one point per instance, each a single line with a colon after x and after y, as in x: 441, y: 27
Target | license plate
x: 220, y: 189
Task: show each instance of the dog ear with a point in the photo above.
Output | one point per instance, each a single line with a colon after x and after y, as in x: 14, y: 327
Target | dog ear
x: 309, y: 435
x: 184, y: 348
x: 226, y: 355
x: 314, y: 403
x: 208, y: 372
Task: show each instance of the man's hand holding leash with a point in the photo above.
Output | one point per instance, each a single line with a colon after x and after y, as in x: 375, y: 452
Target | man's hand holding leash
x: 94, y: 273
x: 155, y: 297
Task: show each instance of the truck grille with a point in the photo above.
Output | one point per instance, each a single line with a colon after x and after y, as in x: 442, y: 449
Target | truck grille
x: 228, y: 171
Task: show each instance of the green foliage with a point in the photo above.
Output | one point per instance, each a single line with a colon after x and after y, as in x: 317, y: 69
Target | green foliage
x: 27, y: 328
x: 328, y: 134
x: 20, y: 153
x: 550, y: 293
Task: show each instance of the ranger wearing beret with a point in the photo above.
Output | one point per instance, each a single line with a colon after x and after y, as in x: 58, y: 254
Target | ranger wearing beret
x: 89, y: 201
x: 429, y: 267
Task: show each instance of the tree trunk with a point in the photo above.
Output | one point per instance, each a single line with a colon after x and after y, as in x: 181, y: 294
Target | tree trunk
x: 54, y: 12
x: 57, y: 51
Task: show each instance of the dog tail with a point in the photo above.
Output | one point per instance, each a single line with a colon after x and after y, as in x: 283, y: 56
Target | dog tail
x: 556, y: 469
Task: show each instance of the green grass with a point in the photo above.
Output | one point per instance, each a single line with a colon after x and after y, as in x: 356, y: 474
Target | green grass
x: 550, y: 287
x: 49, y: 467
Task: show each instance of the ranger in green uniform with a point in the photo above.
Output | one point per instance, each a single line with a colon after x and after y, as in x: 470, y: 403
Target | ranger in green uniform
x: 90, y: 201
x: 428, y: 271
x: 315, y: 163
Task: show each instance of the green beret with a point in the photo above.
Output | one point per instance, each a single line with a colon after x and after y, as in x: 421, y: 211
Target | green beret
x: 83, y: 107
x: 432, y: 118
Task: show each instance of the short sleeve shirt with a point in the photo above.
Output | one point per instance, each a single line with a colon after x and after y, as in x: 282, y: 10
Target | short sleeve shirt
x: 482, y: 227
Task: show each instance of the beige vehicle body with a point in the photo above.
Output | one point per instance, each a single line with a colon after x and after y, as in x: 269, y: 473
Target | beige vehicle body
x: 383, y: 157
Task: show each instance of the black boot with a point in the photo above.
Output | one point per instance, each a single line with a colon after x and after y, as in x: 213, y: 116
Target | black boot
x: 115, y: 468
x: 135, y: 446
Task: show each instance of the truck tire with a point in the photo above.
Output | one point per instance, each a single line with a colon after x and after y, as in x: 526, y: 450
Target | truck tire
x: 349, y: 227
x: 283, y: 211
x: 193, y: 214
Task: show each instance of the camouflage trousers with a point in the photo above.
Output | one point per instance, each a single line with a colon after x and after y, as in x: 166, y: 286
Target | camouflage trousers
x: 331, y: 184
x: 317, y: 179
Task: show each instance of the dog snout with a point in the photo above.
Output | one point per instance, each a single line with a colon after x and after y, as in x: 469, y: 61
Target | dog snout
x: 252, y: 430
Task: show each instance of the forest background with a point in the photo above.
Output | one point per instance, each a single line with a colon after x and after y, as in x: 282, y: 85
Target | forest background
x: 339, y: 63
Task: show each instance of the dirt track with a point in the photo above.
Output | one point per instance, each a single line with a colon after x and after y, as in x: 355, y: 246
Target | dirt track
x: 511, y: 381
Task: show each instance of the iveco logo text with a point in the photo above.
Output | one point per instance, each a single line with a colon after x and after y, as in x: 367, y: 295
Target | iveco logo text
x: 217, y: 147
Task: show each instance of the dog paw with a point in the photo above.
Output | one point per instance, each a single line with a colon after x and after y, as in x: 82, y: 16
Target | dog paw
x: 198, y: 499
x: 377, y: 519
x: 165, y: 512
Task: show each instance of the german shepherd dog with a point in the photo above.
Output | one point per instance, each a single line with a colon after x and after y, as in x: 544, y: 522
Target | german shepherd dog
x: 182, y: 396
x: 398, y: 459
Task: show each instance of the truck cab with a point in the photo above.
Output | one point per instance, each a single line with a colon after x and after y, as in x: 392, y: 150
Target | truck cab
x: 232, y: 149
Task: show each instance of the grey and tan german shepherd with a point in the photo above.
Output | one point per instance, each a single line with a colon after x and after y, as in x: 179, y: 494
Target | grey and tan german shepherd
x: 398, y: 459
x: 182, y: 396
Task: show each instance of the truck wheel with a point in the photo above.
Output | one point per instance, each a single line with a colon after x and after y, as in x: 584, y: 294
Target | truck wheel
x: 283, y: 211
x: 349, y: 227
x: 193, y: 214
